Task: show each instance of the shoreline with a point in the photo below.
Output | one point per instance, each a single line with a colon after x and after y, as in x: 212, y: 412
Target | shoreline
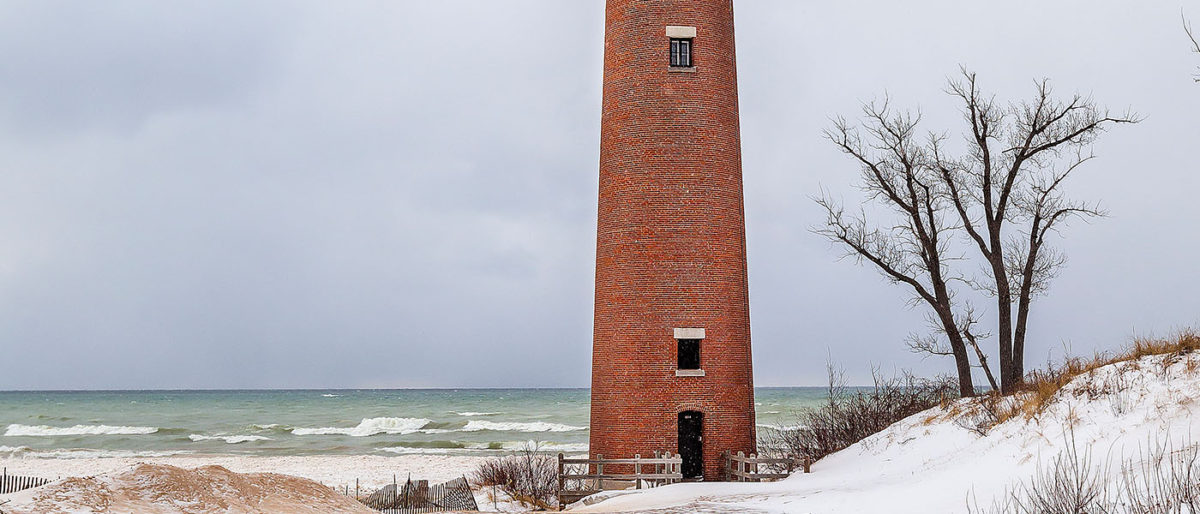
x: 337, y: 471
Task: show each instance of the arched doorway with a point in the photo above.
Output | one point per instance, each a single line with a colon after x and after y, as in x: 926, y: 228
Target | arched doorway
x: 691, y: 443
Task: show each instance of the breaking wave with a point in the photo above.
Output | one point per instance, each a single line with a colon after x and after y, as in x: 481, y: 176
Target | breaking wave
x: 231, y: 439
x: 13, y: 451
x: 369, y: 427
x: 45, y: 430
x: 536, y: 426
x: 544, y: 446
x: 780, y: 428
x: 83, y: 453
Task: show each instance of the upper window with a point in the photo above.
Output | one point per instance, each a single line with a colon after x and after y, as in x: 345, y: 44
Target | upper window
x: 681, y: 52
x: 688, y: 354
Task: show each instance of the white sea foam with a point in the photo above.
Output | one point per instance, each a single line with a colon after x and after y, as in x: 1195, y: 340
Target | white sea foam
x: 231, y: 439
x: 45, y: 430
x: 477, y: 413
x: 269, y: 426
x: 369, y: 427
x: 13, y: 451
x: 416, y: 451
x: 536, y: 426
x: 332, y: 395
x: 781, y: 428
x: 436, y: 431
x: 88, y: 453
x: 547, y: 446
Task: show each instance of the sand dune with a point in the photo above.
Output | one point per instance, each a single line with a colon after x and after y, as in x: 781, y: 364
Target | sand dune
x: 158, y: 488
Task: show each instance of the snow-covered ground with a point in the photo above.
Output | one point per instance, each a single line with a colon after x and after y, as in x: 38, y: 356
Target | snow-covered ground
x: 936, y: 461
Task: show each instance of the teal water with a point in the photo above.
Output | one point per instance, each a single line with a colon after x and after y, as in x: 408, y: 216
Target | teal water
x: 335, y: 422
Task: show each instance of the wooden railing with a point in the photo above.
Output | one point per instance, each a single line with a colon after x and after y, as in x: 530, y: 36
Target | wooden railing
x: 576, y: 478
x: 742, y: 468
x: 14, y: 483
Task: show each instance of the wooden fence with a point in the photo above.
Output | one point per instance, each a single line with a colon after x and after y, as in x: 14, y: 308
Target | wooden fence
x: 14, y: 483
x: 419, y: 497
x: 740, y: 468
x: 576, y: 478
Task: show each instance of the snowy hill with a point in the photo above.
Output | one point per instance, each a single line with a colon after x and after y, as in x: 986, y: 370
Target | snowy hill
x: 1117, y: 417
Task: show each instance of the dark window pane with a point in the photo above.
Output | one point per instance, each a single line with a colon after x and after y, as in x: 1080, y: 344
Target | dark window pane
x: 689, y: 354
x: 681, y: 52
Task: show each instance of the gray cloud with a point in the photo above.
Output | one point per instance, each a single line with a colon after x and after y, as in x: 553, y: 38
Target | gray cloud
x: 403, y: 193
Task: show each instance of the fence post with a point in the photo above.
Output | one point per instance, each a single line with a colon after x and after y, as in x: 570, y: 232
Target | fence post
x: 725, y: 465
x: 807, y: 464
x: 658, y: 466
x: 742, y: 466
x: 637, y: 471
x: 599, y: 482
x: 561, y: 480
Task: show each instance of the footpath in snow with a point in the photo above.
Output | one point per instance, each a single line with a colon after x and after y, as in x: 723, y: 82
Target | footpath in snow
x: 940, y: 461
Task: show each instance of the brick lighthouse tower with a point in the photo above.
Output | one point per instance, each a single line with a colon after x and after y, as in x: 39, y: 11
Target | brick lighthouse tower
x: 671, y: 363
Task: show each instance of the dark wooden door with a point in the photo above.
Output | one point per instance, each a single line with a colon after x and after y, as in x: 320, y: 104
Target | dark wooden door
x: 691, y: 443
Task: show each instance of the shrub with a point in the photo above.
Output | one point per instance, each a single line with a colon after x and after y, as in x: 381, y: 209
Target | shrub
x: 1160, y: 481
x: 850, y: 416
x: 528, y: 476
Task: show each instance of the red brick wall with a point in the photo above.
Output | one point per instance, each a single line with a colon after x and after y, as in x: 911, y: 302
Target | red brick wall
x: 671, y: 248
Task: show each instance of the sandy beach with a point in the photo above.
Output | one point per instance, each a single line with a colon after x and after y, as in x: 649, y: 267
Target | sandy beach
x: 338, y: 471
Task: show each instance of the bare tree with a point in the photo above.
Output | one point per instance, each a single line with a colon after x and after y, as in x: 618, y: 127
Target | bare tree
x: 1007, y: 189
x: 1003, y: 194
x: 900, y: 173
x: 1187, y: 28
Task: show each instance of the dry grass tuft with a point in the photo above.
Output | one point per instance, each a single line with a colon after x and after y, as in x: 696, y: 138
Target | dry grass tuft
x: 1041, y: 386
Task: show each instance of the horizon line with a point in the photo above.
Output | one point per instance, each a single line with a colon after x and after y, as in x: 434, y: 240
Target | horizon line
x: 306, y: 389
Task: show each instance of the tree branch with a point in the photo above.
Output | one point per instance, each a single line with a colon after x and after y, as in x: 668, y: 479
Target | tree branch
x: 1187, y: 28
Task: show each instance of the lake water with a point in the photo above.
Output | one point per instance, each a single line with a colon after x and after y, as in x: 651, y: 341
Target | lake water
x: 335, y: 422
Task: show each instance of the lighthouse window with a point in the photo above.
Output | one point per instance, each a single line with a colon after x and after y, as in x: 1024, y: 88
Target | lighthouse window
x: 689, y: 354
x: 681, y: 52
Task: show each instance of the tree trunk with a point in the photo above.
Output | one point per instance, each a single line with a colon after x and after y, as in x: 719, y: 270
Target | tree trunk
x: 962, y: 361
x: 1018, y: 361
x: 1003, y: 310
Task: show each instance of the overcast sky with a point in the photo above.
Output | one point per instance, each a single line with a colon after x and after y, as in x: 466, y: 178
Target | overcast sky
x: 403, y: 194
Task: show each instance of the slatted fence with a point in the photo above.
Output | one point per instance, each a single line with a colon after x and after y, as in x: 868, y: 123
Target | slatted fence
x: 14, y: 483
x: 742, y: 468
x: 419, y: 497
x: 577, y: 480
